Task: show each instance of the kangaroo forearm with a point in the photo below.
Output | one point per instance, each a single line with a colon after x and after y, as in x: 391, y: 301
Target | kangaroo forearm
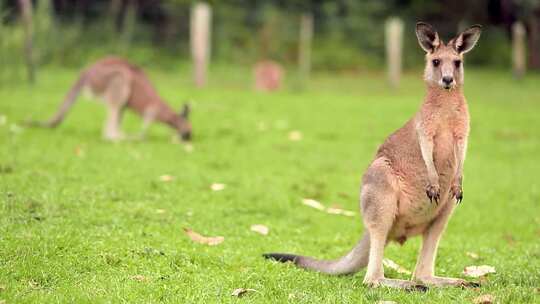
x: 426, y: 148
x: 461, y: 150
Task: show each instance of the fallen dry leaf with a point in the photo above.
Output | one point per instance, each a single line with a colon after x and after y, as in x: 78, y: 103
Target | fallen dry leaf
x: 330, y: 210
x: 478, y: 271
x: 196, y: 237
x: 394, y: 266
x: 313, y: 203
x: 79, y: 152
x: 295, y: 135
x: 188, y: 147
x: 217, y: 187
x: 139, y: 278
x: 484, y: 299
x: 166, y: 178
x: 333, y: 210
x: 238, y: 292
x: 473, y: 255
x: 262, y: 229
x: 33, y: 284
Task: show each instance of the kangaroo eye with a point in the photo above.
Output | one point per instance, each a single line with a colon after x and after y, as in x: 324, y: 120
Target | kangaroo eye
x: 436, y: 62
x: 457, y: 63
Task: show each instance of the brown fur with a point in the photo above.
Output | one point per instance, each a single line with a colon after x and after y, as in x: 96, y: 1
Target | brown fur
x: 121, y: 85
x: 414, y: 182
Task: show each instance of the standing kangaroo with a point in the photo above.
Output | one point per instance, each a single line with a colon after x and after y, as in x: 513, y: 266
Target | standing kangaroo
x: 121, y: 84
x: 415, y: 180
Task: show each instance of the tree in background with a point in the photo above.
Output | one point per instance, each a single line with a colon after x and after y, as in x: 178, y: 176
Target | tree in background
x: 26, y: 17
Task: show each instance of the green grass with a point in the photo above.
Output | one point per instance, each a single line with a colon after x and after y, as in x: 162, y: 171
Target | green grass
x: 78, y: 227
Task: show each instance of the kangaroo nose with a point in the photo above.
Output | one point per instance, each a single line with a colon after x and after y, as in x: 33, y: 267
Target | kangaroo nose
x: 447, y: 80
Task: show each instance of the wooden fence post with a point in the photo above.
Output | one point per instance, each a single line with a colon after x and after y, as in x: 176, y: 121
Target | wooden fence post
x: 519, y: 56
x: 26, y: 13
x: 201, y: 16
x: 304, y: 47
x: 394, y: 49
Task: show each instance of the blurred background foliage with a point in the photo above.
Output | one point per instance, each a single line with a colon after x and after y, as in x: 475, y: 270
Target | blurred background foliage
x: 348, y: 33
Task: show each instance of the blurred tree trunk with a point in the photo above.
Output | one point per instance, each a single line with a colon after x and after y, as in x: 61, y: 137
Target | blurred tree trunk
x: 129, y: 23
x: 115, y: 10
x: 26, y: 14
x: 200, y: 27
x: 534, y: 41
x: 304, y: 48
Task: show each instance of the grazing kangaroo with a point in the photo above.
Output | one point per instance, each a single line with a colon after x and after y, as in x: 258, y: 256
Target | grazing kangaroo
x: 414, y: 182
x: 121, y: 84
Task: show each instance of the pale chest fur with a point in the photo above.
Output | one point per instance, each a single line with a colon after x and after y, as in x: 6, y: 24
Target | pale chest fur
x: 447, y: 124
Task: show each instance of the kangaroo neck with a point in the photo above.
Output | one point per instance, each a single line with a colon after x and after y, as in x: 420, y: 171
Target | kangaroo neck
x: 443, y: 98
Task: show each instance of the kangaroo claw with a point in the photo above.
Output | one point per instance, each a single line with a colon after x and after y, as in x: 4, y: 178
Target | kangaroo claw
x: 458, y: 193
x: 433, y: 193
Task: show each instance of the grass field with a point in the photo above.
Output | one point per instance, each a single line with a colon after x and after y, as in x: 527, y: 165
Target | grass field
x: 84, y: 220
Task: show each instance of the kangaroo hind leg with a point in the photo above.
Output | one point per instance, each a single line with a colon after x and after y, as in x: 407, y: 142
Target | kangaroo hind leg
x: 116, y: 97
x: 379, y: 208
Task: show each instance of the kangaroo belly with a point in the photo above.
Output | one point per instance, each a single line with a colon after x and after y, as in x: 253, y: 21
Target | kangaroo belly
x: 415, y: 210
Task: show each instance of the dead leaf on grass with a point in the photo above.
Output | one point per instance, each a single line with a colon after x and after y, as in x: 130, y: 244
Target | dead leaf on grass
x: 166, y: 178
x: 201, y: 239
x: 313, y: 203
x: 339, y: 211
x: 484, y: 299
x: 261, y: 229
x: 238, y: 292
x: 79, y: 152
x: 217, y: 187
x: 139, y: 278
x: 330, y: 210
x: 394, y: 266
x: 33, y: 284
x: 188, y: 147
x: 295, y: 135
x: 478, y: 271
x: 473, y: 255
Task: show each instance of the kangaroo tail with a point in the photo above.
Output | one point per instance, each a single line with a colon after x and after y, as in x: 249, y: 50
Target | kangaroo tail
x: 69, y: 100
x: 352, y: 262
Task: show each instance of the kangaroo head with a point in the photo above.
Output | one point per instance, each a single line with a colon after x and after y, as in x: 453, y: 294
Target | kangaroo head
x: 444, y: 62
x: 184, y: 126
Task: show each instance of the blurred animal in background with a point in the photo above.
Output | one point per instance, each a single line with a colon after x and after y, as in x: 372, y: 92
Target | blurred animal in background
x: 415, y: 179
x: 268, y: 75
x: 122, y: 85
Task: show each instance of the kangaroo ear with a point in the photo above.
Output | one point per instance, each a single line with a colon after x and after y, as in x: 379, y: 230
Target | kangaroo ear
x: 185, y: 111
x: 427, y: 37
x: 465, y: 41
